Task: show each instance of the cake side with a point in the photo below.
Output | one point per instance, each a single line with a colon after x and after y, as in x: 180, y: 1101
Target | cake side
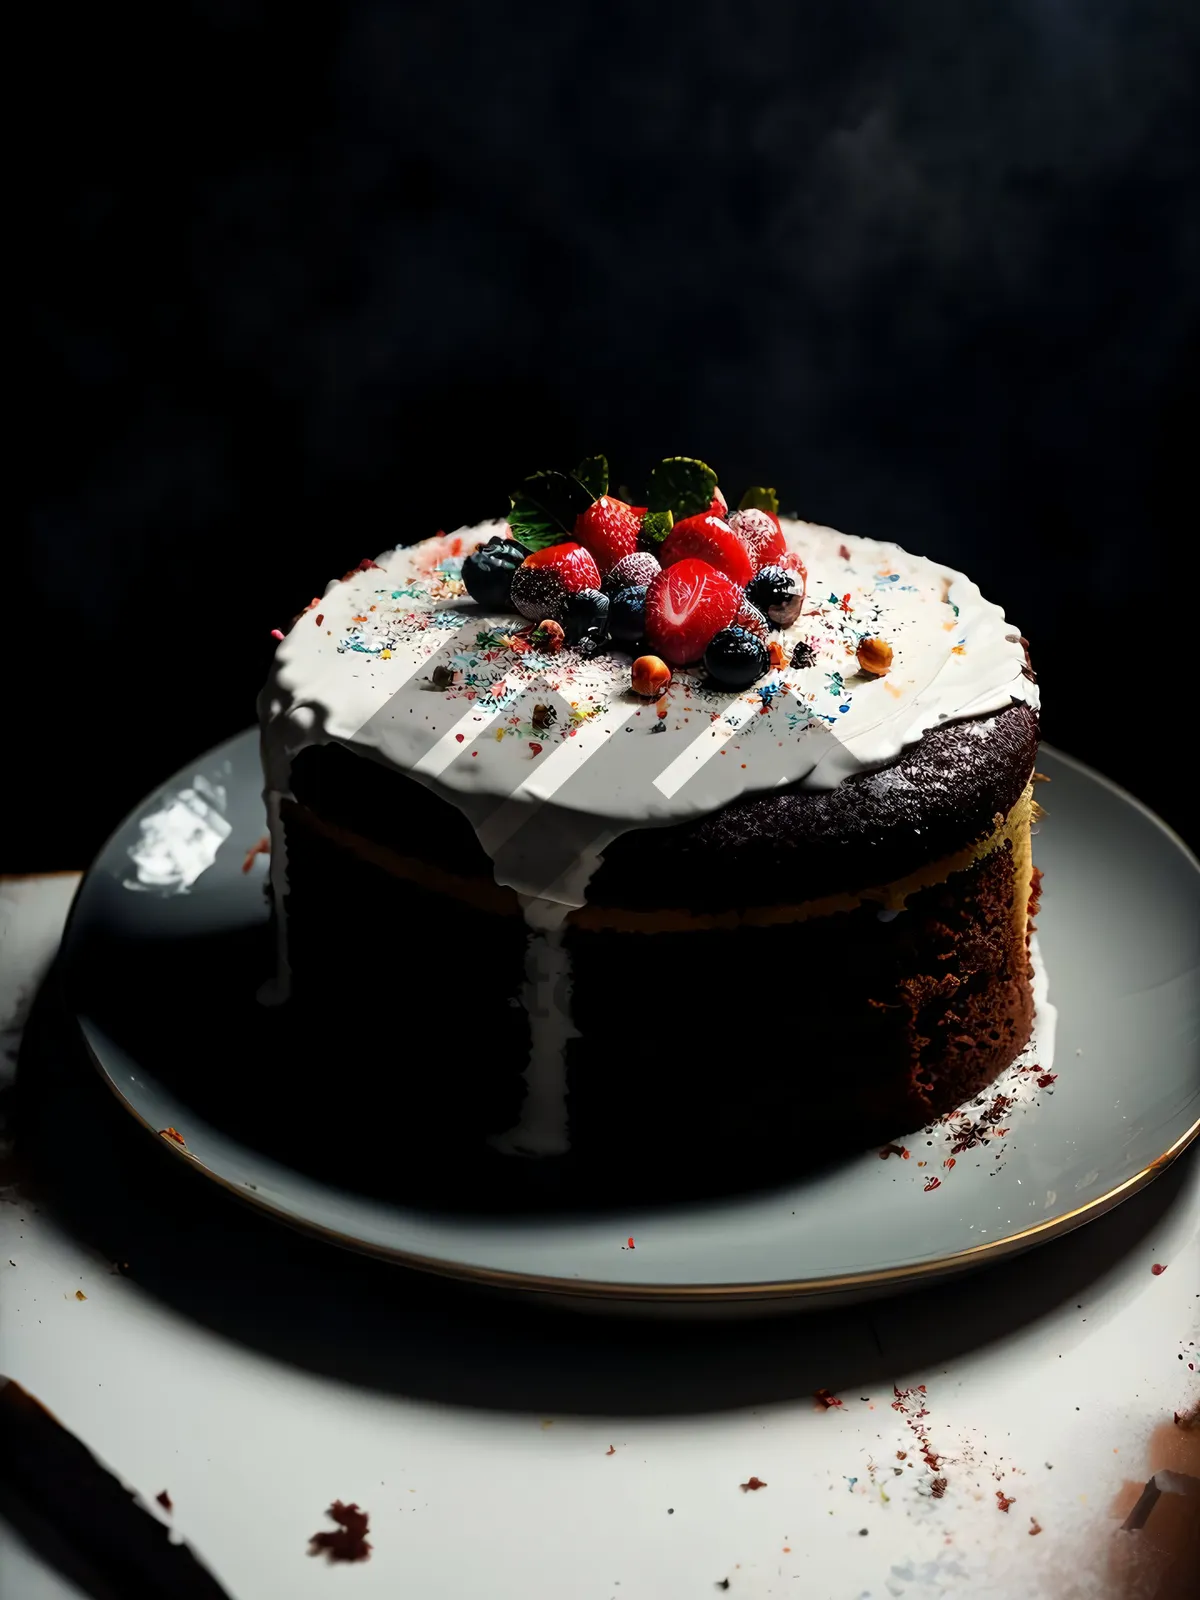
x: 939, y: 797
x: 883, y: 1014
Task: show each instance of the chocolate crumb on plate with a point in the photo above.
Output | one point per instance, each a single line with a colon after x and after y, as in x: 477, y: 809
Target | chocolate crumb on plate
x: 164, y: 1500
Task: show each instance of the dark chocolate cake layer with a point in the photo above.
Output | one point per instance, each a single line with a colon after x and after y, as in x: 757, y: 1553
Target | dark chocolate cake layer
x: 875, y: 1024
x: 942, y: 795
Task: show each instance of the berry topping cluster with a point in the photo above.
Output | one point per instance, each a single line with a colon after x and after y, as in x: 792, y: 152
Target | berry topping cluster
x: 677, y: 581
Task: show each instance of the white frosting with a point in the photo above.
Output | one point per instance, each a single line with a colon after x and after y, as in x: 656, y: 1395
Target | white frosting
x: 357, y: 668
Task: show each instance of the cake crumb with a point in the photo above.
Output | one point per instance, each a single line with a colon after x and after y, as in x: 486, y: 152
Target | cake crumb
x: 164, y: 1500
x: 754, y: 1483
x: 348, y: 1541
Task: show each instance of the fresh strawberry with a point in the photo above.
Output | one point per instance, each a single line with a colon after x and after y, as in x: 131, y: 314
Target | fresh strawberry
x: 609, y: 529
x: 686, y: 604
x: 720, y: 506
x: 760, y: 532
x: 708, y: 538
x: 542, y: 582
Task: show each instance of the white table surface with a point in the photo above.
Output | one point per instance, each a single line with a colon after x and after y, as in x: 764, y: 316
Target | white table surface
x: 258, y: 1376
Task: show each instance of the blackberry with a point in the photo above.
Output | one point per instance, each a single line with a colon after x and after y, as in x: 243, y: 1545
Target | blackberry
x: 736, y: 658
x: 585, y: 615
x: 488, y: 573
x: 775, y: 594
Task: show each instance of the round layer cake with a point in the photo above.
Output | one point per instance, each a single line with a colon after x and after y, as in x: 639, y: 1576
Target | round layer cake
x: 663, y: 933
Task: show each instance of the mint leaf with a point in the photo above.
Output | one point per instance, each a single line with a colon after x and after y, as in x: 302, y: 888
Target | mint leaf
x: 592, y: 473
x: 544, y: 509
x: 682, y: 486
x: 532, y: 527
x: 656, y: 525
x: 761, y: 500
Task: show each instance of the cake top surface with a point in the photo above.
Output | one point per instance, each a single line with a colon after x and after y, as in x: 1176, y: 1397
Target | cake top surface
x: 549, y: 751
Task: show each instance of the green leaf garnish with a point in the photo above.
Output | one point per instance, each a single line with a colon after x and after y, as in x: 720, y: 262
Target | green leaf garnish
x: 592, y: 473
x: 761, y: 500
x: 656, y: 525
x: 682, y: 486
x: 544, y: 509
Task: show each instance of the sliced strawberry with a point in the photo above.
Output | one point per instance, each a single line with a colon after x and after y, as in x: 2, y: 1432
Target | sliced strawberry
x: 609, y: 529
x: 543, y: 581
x: 686, y: 604
x: 760, y: 532
x: 720, y: 506
x: 708, y: 538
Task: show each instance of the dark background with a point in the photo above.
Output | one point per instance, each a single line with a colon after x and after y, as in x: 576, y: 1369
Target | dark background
x: 310, y: 282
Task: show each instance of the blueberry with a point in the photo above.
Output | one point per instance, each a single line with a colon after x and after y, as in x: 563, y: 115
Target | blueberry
x: 488, y: 573
x: 775, y: 594
x: 627, y: 614
x: 585, y: 615
x: 736, y: 658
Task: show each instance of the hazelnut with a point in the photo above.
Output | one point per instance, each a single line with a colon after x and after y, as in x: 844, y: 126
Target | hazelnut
x: 650, y: 676
x: 874, y: 656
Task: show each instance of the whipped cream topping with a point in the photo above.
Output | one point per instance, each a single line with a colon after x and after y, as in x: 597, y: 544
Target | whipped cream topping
x: 399, y: 664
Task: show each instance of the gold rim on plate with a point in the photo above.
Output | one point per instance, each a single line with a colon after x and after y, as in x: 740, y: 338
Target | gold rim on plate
x: 463, y: 1272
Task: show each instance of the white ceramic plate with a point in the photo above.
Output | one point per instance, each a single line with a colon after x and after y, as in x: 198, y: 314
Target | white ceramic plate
x: 173, y: 892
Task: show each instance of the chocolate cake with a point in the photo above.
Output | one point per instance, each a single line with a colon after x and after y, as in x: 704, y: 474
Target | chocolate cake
x: 703, y: 824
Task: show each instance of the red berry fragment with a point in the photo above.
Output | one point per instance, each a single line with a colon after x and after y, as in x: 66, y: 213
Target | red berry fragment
x: 609, y: 529
x: 752, y: 619
x: 759, y: 531
x: 542, y: 582
x: 709, y: 538
x: 686, y: 604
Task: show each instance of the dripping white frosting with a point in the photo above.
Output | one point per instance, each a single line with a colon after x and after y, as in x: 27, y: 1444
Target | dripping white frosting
x: 542, y: 1128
